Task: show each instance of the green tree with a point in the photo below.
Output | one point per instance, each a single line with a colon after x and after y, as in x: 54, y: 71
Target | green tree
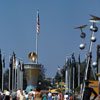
x: 57, y: 77
x: 42, y: 82
x: 82, y: 72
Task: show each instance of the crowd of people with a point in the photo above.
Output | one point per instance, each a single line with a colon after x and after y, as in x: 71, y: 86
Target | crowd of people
x: 33, y: 94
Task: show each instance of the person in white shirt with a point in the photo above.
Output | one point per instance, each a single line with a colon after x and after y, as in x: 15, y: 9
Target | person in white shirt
x: 66, y: 96
x: 7, y: 93
x: 49, y: 96
x: 18, y: 93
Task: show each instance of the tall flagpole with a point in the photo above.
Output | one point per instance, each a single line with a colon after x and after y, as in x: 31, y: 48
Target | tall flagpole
x: 9, y: 77
x: 79, y: 70
x: 73, y: 65
x: 9, y: 70
x: 2, y: 73
x: 15, y: 77
x: 2, y: 78
x: 12, y: 73
x: 66, y: 72
x: 37, y: 33
x: 37, y: 48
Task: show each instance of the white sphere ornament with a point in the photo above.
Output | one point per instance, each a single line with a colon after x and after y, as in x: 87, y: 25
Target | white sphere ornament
x: 93, y: 39
x: 94, y: 64
x: 93, y: 28
x: 82, y: 46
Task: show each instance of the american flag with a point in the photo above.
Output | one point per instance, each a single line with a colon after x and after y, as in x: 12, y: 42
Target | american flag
x: 38, y: 24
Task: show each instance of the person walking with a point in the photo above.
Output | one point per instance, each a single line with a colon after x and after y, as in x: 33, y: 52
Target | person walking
x: 49, y: 96
x: 44, y: 96
x: 60, y: 96
x: 21, y: 96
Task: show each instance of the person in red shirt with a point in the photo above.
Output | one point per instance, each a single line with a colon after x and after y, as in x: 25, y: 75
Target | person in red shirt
x: 60, y: 96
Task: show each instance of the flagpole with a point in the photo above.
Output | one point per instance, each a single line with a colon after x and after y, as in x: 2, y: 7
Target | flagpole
x: 12, y: 76
x: 15, y: 77
x: 9, y: 77
x: 9, y: 72
x: 37, y: 48
x: 73, y: 65
x: 37, y: 33
x: 73, y: 77
x: 3, y: 65
x: 69, y: 80
x: 2, y: 78
x: 66, y: 73
x: 79, y: 71
x: 13, y: 72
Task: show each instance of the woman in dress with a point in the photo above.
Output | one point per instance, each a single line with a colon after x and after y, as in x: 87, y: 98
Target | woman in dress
x: 37, y: 95
x: 44, y: 96
x: 21, y: 96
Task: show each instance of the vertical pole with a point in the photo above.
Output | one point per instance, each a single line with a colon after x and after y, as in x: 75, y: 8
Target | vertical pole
x: 38, y: 27
x: 73, y: 78
x: 78, y: 74
x: 2, y: 78
x: 13, y: 72
x: 12, y: 77
x: 69, y: 82
x: 37, y: 48
x: 88, y: 60
x: 10, y: 71
x: 66, y: 73
x: 22, y: 80
x: 79, y: 71
x: 15, y: 77
x: 18, y: 76
x: 9, y: 77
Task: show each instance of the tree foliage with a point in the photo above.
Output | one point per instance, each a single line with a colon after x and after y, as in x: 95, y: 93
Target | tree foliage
x: 42, y: 82
x: 82, y: 74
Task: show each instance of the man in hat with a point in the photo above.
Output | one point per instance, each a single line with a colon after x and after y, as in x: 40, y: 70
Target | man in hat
x: 88, y: 91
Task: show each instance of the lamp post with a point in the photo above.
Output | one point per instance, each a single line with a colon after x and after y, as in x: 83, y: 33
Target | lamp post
x: 68, y: 74
x: 93, y: 29
x: 82, y: 46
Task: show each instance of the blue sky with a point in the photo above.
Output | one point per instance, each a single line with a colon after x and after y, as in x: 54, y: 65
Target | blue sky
x: 57, y: 37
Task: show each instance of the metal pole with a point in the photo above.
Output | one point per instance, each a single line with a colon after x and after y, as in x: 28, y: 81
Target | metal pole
x: 12, y: 78
x: 88, y: 60
x: 79, y: 71
x: 69, y: 74
x: 37, y: 48
x: 66, y: 72
x: 2, y: 78
x: 78, y: 74
x: 9, y: 77
x: 73, y: 78
x: 15, y: 77
x: 18, y: 75
x: 13, y: 72
x: 22, y: 80
x: 38, y: 27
